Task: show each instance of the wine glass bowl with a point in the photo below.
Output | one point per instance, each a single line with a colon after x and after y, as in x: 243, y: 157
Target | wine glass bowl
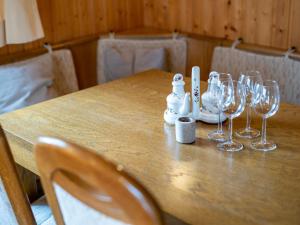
x: 269, y: 99
x: 267, y: 106
x: 252, y: 81
x: 216, y: 92
x: 233, y: 104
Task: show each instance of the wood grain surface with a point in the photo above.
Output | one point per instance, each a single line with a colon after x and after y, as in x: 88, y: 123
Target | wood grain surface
x: 65, y: 20
x: 271, y: 23
x: 123, y: 121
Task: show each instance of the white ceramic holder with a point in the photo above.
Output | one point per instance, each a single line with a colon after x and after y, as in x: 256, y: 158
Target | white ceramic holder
x: 199, y: 113
x: 185, y: 129
x: 178, y: 102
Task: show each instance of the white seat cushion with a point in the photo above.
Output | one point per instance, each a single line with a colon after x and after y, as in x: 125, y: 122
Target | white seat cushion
x: 42, y: 212
x: 118, y: 63
x: 285, y: 71
x: 76, y: 212
x: 139, y: 55
x: 23, y: 84
x: 150, y: 58
x: 37, y: 79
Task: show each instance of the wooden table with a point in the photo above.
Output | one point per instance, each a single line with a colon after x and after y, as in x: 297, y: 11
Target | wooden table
x: 198, y: 184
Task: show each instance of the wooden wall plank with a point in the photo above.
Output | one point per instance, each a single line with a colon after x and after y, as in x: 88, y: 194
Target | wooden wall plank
x: 64, y: 20
x: 294, y: 28
x: 272, y: 23
x: 265, y: 23
x: 280, y: 21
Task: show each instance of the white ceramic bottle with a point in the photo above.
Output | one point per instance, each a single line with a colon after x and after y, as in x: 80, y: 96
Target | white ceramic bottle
x: 196, y: 91
x: 176, y: 100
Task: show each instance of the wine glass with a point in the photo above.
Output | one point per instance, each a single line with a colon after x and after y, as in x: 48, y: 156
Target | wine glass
x: 267, y: 106
x: 252, y: 80
x: 233, y: 104
x: 216, y: 92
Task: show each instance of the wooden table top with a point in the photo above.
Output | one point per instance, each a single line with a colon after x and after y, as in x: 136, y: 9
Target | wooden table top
x: 123, y: 120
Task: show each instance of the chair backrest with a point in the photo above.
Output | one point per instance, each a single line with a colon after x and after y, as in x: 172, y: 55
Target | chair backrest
x: 84, y: 188
x: 14, y: 205
x: 284, y: 70
x: 118, y: 58
x: 37, y: 79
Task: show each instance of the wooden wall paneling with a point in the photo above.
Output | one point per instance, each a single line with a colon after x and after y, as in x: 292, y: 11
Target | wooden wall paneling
x: 86, y: 17
x: 15, y: 48
x: 117, y: 15
x: 219, y: 13
x: 172, y: 17
x: 162, y: 12
x: 100, y: 16
x: 149, y: 13
x: 198, y: 17
x: 264, y: 23
x: 248, y: 30
x: 135, y: 13
x: 112, y: 15
x: 199, y: 53
x: 63, y: 20
x: 45, y: 10
x: 280, y: 23
x: 263, y: 30
x: 236, y: 19
x: 4, y: 50
x: 185, y: 15
x: 85, y: 60
x: 294, y: 28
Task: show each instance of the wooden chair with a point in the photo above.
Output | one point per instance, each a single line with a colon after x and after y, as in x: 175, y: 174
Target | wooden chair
x: 84, y: 188
x: 14, y: 205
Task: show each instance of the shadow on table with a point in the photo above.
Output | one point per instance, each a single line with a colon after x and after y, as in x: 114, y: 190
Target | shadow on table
x: 171, y: 220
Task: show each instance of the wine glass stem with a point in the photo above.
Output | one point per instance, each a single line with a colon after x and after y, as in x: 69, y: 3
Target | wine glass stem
x: 230, y: 130
x: 220, y: 128
x: 264, y: 131
x: 248, y: 123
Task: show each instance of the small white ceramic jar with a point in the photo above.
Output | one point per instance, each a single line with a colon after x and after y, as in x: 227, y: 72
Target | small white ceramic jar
x: 185, y: 128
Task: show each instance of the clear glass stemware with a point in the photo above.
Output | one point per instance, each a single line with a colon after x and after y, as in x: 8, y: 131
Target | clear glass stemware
x: 233, y: 104
x: 267, y: 106
x: 252, y: 80
x: 219, y: 135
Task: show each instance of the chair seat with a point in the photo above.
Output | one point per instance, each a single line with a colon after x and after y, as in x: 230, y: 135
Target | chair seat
x: 42, y: 212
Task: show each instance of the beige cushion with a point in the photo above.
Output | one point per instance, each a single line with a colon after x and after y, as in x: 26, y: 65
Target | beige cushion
x: 150, y: 58
x: 24, y: 84
x: 35, y: 80
x: 118, y: 63
x: 165, y: 54
x: 76, y: 212
x: 284, y: 70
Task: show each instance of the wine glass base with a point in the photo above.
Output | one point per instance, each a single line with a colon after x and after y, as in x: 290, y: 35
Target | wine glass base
x: 247, y: 133
x: 230, y: 146
x: 265, y: 147
x: 216, y: 135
